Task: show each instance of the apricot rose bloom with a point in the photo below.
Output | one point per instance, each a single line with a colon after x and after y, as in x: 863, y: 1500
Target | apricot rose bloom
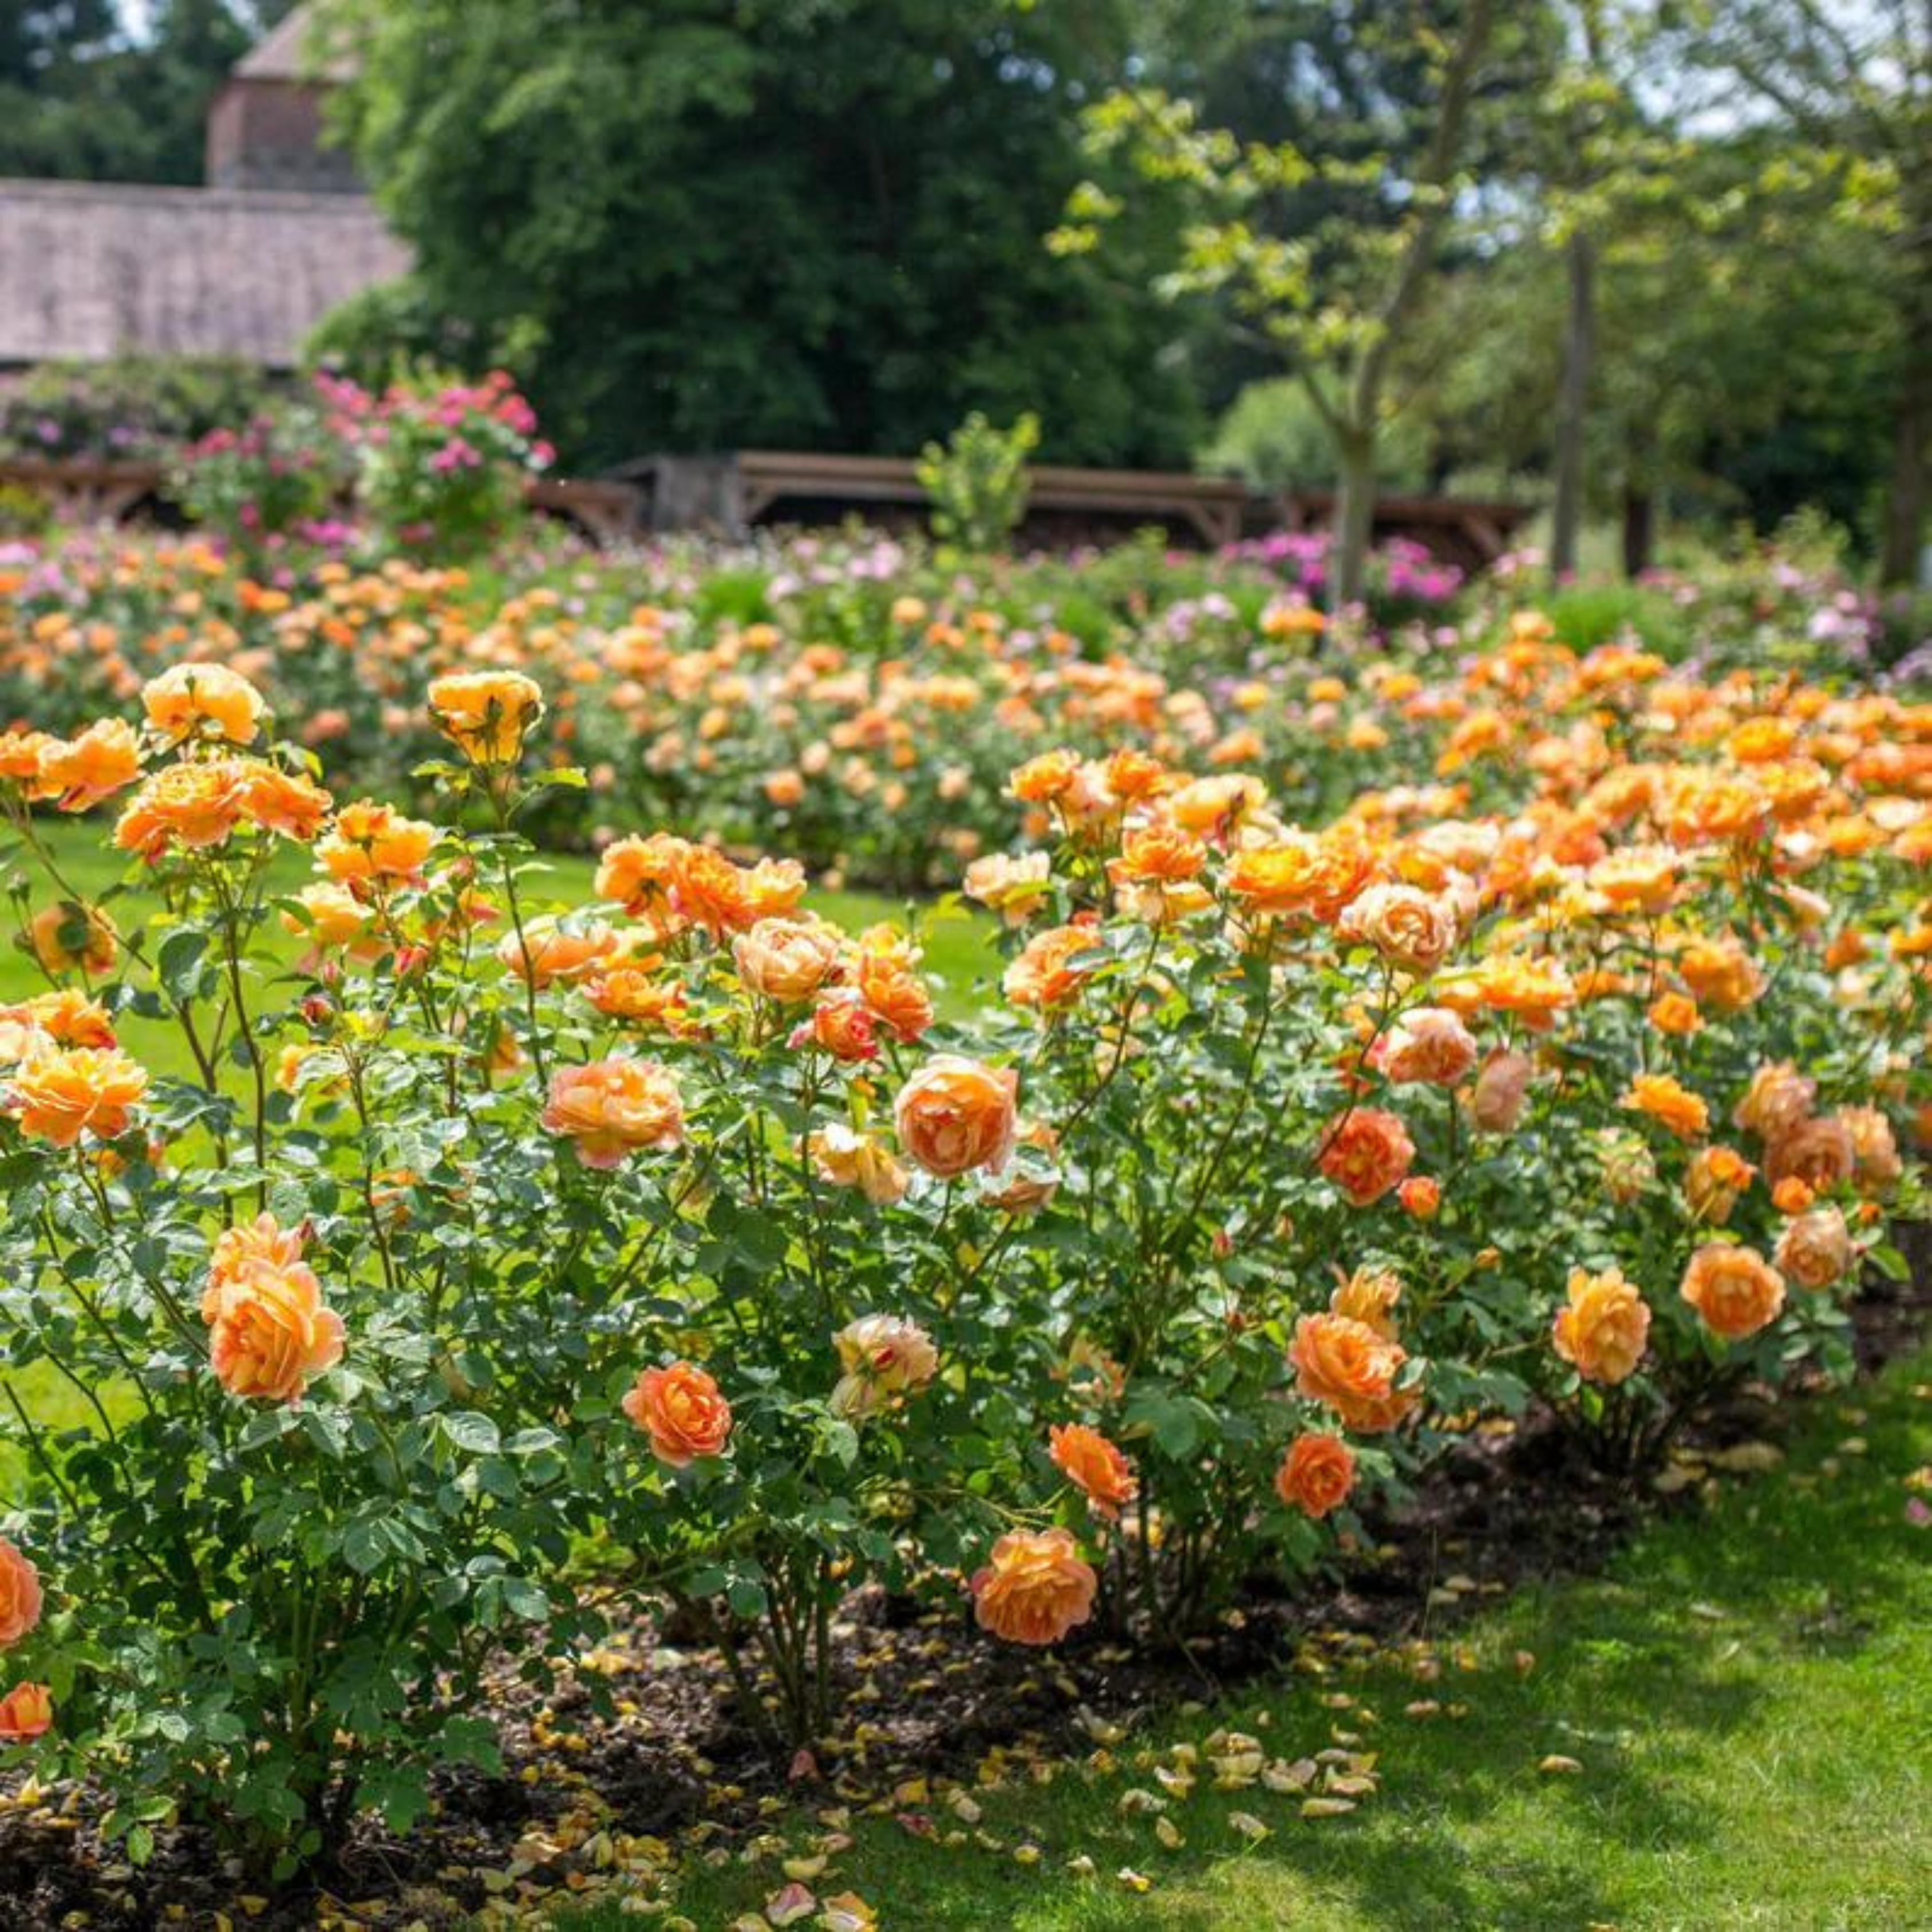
x: 1778, y: 1099
x: 1316, y: 1475
x: 273, y: 1332
x: 1428, y: 1045
x: 1733, y: 1288
x: 1495, y: 1103
x: 613, y: 1108
x: 1034, y: 1588
x: 1603, y: 1329
x: 20, y: 1595
x: 67, y: 935
x: 485, y: 713
x: 1352, y: 1368
x: 61, y: 1096
x: 681, y: 1410
x: 1366, y: 1154
x: 883, y: 1358
x: 1409, y: 927
x: 26, y: 1711
x: 375, y: 842
x: 1368, y: 1296
x: 848, y: 1160
x: 79, y: 772
x: 206, y: 700
x: 787, y: 959
x: 1095, y: 1465
x: 1814, y: 1250
x: 263, y: 1239
x: 955, y: 1114
x: 1669, y: 1102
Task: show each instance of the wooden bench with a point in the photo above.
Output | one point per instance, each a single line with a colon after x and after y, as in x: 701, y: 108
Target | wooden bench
x: 753, y: 489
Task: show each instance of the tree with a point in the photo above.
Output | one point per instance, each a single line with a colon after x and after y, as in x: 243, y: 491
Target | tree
x: 91, y: 90
x: 1852, y: 80
x: 1322, y: 245
x: 705, y: 224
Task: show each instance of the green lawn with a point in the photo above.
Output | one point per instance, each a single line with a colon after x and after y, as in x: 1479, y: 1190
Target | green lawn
x: 1748, y: 1692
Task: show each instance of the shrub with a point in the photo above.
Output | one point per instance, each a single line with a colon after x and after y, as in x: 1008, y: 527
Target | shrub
x: 131, y: 406
x: 977, y: 482
x: 477, y: 1237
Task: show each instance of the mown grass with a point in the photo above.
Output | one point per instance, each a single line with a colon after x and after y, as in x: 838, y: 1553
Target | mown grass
x: 959, y: 955
x: 1748, y: 1690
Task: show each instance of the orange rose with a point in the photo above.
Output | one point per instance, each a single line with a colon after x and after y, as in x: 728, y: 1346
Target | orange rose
x: 638, y: 875
x: 196, y: 806
x: 1876, y: 1166
x: 20, y: 1595
x: 1316, y: 1475
x: 895, y: 996
x: 1818, y: 1152
x: 485, y: 713
x: 282, y: 801
x: 1721, y: 973
x: 376, y: 842
x: 1792, y: 1196
x: 206, y: 700
x: 1666, y: 1101
x: 83, y: 1090
x: 81, y: 771
x: 549, y: 949
x: 1495, y: 1104
x: 1365, y: 1153
x: 883, y: 1358
x: 68, y: 1017
x: 1014, y: 888
x: 1346, y: 1364
x: 26, y: 1711
x: 1778, y: 1099
x: 787, y: 959
x: 1093, y: 1464
x: 1368, y: 1296
x: 237, y: 1249
x: 846, y: 1159
x: 1604, y: 1329
x: 633, y: 991
x: 1158, y: 855
x: 1814, y: 1250
x: 1044, y: 975
x: 1020, y: 1192
x: 63, y: 936
x: 334, y: 920
x: 681, y: 1410
x: 1034, y: 1589
x: 1715, y: 1178
x: 273, y: 1332
x: 1420, y: 1196
x: 954, y: 1115
x: 612, y: 1107
x: 1428, y: 1045
x: 1409, y: 927
x: 842, y: 1025
x: 1733, y: 1288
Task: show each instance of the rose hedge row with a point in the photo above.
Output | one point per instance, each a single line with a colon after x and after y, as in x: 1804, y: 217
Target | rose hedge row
x: 499, y: 1266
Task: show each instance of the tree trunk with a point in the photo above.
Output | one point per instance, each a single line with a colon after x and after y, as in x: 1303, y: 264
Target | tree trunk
x: 1900, y: 558
x: 1354, y: 515
x: 1639, y: 529
x: 1573, y: 406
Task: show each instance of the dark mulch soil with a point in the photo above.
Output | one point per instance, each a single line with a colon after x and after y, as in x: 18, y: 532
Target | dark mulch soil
x: 925, y: 1694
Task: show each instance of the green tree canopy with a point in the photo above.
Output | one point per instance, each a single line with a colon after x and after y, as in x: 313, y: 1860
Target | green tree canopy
x: 708, y: 223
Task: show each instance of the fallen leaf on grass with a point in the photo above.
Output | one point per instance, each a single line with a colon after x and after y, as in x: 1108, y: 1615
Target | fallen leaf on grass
x: 1557, y: 1765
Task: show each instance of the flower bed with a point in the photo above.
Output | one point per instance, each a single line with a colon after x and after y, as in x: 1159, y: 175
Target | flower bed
x: 508, y: 1266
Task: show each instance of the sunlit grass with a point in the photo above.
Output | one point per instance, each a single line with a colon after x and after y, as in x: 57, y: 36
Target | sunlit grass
x: 1744, y: 1691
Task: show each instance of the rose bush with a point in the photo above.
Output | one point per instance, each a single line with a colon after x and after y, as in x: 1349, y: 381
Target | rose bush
x: 496, y: 1263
